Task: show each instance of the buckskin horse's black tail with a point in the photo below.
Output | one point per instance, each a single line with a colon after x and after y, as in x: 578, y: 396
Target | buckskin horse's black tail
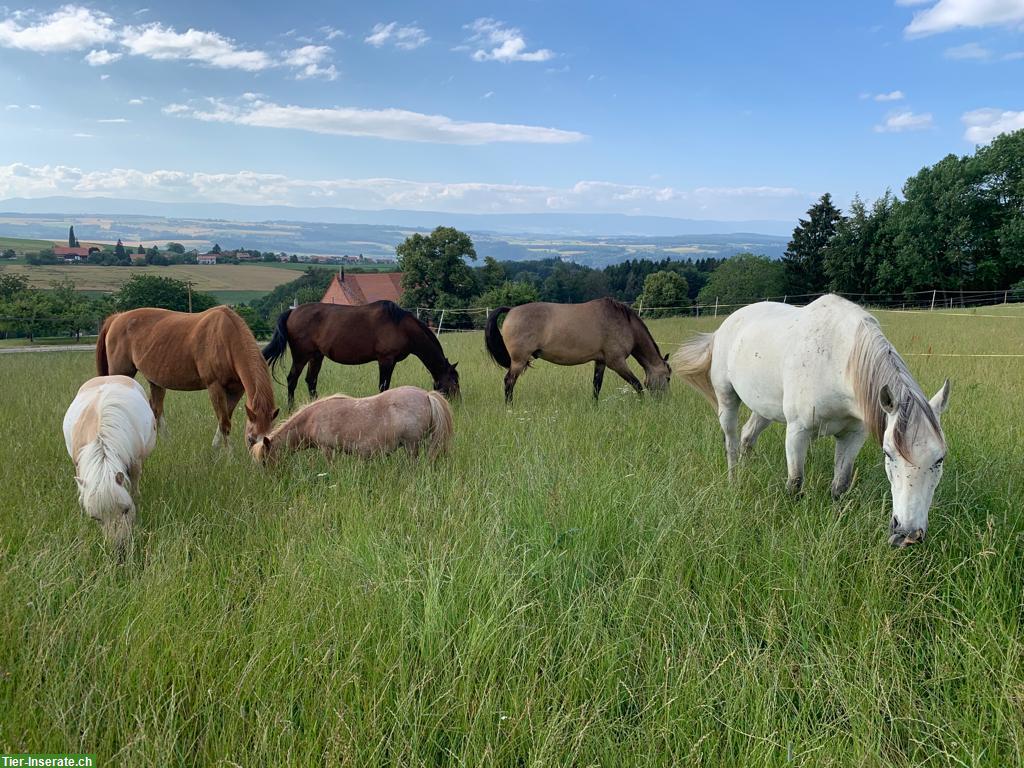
x: 278, y: 345
x: 494, y: 340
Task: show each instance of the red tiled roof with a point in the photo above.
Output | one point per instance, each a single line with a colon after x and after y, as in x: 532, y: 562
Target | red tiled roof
x: 63, y: 250
x: 362, y: 288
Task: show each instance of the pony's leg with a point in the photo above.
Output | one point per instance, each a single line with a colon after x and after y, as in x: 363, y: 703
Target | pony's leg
x: 798, y: 440
x: 621, y: 367
x: 848, y: 445
x: 156, y: 402
x: 219, y: 399
x: 729, y: 420
x: 386, y: 367
x: 298, y: 363
x: 598, y: 378
x: 751, y: 431
x: 313, y: 374
x: 510, y: 379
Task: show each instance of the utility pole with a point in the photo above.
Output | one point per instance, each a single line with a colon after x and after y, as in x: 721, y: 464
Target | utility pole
x: 189, y: 284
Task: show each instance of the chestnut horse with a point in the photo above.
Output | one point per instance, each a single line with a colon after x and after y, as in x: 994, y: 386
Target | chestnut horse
x: 380, y: 331
x: 604, y: 330
x: 212, y: 350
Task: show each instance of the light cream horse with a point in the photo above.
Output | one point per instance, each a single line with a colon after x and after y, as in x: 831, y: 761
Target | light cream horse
x: 109, y: 430
x: 366, y: 426
x: 824, y: 369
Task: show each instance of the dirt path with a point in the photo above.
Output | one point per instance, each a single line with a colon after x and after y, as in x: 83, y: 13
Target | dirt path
x: 53, y: 348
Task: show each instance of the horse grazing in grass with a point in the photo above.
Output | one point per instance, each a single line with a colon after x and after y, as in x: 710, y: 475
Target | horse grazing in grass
x: 368, y: 426
x: 604, y: 331
x: 824, y: 369
x: 212, y: 350
x: 109, y: 430
x: 380, y: 331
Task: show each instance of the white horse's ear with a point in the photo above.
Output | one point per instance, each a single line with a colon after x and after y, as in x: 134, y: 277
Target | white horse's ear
x: 886, y: 400
x: 940, y: 402
x: 119, y: 478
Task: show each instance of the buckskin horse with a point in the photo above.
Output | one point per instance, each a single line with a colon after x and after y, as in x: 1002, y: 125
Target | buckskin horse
x: 604, y: 331
x: 381, y: 331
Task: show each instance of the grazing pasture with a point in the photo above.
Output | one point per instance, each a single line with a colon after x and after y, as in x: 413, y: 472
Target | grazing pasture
x: 571, y: 585
x: 220, y: 279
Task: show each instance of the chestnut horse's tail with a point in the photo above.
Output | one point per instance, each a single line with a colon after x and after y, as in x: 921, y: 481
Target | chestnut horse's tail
x: 441, y: 428
x: 692, y: 362
x: 494, y: 340
x: 278, y: 345
x: 102, y: 364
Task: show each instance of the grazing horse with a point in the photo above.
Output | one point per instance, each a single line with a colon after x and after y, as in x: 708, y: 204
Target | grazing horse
x: 212, y: 350
x: 604, y: 331
x: 109, y: 430
x: 380, y: 331
x: 367, y: 426
x: 824, y: 369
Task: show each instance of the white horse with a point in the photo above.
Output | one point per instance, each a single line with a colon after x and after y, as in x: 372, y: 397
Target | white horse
x: 109, y: 430
x: 823, y: 369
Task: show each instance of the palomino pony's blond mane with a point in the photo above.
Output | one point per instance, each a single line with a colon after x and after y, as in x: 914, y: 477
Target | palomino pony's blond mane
x: 298, y: 412
x: 875, y: 364
x: 110, y: 451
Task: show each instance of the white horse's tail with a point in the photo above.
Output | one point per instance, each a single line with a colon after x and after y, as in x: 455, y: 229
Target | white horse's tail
x: 441, y: 427
x: 692, y: 362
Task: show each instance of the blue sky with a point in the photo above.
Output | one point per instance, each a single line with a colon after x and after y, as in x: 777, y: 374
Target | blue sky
x: 725, y: 110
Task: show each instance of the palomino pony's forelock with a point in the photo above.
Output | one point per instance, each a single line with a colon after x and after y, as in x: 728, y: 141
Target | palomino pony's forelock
x: 875, y: 364
x: 99, y: 461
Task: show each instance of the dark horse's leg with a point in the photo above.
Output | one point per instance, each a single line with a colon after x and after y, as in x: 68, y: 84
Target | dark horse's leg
x: 598, y: 377
x: 387, y: 367
x: 298, y: 363
x: 313, y: 374
x: 621, y: 367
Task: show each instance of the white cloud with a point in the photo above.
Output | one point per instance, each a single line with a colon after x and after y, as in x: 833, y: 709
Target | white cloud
x: 968, y: 51
x: 498, y: 42
x: 34, y: 106
x: 946, y: 15
x: 161, y: 43
x: 309, y: 61
x: 393, y: 124
x: 69, y: 28
x: 114, y: 120
x: 487, y: 95
x: 891, y: 96
x: 983, y: 125
x: 407, y: 38
x: 251, y: 187
x: 13, y: 107
x: 83, y: 135
x: 898, y: 122
x: 332, y: 32
x: 104, y: 77
x: 102, y: 57
x: 136, y: 102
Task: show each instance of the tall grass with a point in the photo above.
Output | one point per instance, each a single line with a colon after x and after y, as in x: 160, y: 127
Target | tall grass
x: 572, y: 585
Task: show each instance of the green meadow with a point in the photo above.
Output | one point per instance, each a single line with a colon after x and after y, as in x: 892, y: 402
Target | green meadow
x: 571, y: 585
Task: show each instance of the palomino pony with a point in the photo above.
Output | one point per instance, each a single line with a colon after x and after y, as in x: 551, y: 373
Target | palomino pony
x: 367, y: 426
x: 109, y: 430
x: 824, y: 369
x: 212, y: 350
x: 380, y: 331
x: 604, y: 331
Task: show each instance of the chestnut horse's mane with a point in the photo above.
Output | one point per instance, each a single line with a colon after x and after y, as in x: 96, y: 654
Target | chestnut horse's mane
x: 250, y: 366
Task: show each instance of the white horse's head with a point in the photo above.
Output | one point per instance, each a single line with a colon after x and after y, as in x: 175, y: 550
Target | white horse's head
x: 108, y: 502
x: 914, y: 449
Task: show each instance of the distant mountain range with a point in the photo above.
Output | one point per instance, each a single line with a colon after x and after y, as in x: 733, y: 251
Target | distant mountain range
x: 561, y: 224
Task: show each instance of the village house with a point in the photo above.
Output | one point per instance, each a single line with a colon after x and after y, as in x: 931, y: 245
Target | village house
x: 206, y: 258
x: 363, y: 288
x: 80, y: 253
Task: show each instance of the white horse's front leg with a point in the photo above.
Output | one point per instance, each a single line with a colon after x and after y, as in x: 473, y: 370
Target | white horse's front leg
x: 752, y: 430
x: 798, y: 439
x: 848, y: 445
x: 729, y: 419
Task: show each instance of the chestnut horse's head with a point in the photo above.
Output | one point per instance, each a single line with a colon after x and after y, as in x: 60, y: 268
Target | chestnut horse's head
x: 258, y: 423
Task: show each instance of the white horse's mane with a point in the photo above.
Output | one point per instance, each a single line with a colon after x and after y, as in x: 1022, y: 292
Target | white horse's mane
x: 874, y: 363
x: 109, y: 452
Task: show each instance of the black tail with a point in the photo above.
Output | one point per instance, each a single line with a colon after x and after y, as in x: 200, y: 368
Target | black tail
x: 278, y: 345
x: 495, y: 343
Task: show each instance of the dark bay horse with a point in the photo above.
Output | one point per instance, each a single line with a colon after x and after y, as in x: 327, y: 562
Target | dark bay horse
x: 380, y: 331
x: 604, y: 331
x: 212, y: 350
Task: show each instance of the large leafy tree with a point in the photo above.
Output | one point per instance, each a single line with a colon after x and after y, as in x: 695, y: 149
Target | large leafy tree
x: 743, y: 279
x: 864, y: 240
x: 163, y: 292
x: 805, y: 256
x: 665, y: 291
x: 434, y: 269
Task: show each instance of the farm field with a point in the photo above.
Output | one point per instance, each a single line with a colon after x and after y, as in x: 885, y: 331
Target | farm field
x: 572, y: 585
x: 22, y: 244
x: 215, y: 278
